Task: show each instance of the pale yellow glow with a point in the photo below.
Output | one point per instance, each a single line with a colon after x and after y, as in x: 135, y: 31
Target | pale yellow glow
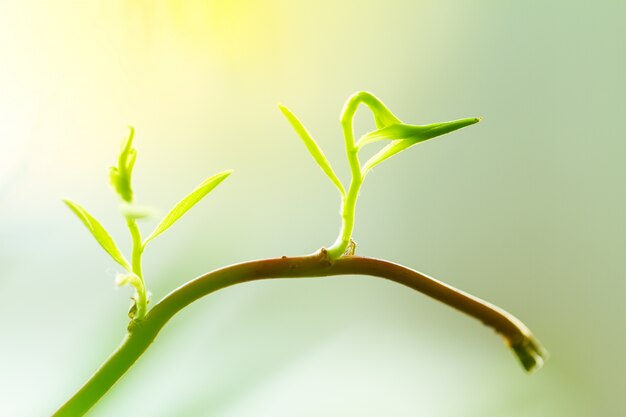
x: 235, y: 32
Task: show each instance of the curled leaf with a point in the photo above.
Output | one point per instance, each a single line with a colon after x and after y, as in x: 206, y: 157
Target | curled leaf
x: 99, y: 233
x: 120, y: 176
x: 188, y: 202
x: 313, y: 148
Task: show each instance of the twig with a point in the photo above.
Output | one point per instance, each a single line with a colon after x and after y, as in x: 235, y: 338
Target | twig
x: 143, y: 332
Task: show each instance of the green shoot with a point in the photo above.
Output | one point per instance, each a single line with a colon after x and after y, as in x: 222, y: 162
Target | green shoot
x: 402, y: 137
x: 121, y: 180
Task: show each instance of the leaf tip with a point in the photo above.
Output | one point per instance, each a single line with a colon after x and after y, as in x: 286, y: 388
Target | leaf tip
x: 69, y: 203
x: 224, y: 174
x: 131, y: 133
x: 284, y: 110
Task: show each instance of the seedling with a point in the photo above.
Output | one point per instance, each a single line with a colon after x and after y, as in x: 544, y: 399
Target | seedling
x: 338, y: 259
x: 121, y: 181
x: 400, y: 135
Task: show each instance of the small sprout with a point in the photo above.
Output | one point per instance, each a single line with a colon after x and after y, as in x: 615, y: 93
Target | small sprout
x: 120, y: 177
x: 402, y: 137
x: 99, y: 233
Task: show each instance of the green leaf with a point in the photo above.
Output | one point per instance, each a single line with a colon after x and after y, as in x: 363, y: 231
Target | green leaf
x: 188, y: 202
x: 389, y: 132
x: 404, y: 136
x: 99, y: 233
x: 312, y: 147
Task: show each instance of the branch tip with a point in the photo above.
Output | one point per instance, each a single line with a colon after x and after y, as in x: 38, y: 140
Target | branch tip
x: 530, y: 353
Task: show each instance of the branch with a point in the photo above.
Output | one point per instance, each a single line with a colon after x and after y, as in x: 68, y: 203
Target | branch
x: 143, y: 332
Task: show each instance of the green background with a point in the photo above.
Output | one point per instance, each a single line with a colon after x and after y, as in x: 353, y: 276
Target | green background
x: 526, y: 209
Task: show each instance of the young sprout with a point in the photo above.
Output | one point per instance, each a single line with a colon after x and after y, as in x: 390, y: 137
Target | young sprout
x: 401, y: 136
x: 120, y: 177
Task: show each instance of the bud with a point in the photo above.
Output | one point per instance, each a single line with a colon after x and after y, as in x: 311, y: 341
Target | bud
x: 120, y: 176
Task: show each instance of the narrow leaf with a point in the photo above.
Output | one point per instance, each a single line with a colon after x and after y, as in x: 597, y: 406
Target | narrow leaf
x: 99, y: 233
x: 390, y: 132
x: 312, y: 147
x: 188, y: 202
x: 404, y: 136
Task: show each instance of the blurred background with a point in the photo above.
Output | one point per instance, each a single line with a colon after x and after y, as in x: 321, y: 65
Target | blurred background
x: 526, y: 209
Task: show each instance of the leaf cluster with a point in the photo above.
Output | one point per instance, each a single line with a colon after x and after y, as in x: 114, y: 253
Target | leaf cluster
x: 121, y: 180
x: 401, y: 136
x: 389, y: 127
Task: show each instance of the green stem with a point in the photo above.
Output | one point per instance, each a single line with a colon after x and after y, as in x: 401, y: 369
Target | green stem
x: 348, y: 206
x: 383, y: 117
x: 142, y: 297
x: 516, y: 335
x: 348, y: 216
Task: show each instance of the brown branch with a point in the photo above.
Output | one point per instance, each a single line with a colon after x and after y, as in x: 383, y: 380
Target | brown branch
x: 142, y: 333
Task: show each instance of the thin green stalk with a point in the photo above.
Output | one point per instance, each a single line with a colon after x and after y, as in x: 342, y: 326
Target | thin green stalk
x: 515, y: 333
x: 348, y: 206
x: 348, y: 217
x: 137, y: 252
